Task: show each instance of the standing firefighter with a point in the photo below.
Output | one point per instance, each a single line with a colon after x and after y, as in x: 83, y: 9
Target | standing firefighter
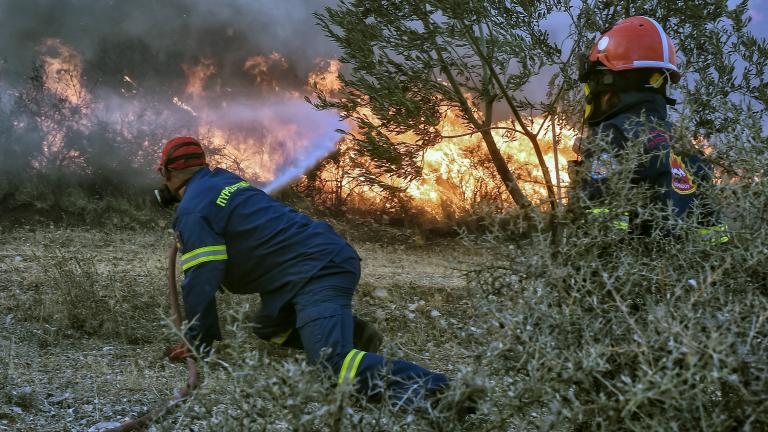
x: 625, y: 78
x: 235, y: 236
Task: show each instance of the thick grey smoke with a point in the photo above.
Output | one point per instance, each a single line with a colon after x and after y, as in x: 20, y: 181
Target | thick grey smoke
x: 136, y: 58
x: 150, y: 39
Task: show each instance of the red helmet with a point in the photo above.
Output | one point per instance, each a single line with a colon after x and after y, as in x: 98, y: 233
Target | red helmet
x: 182, y: 152
x: 636, y: 43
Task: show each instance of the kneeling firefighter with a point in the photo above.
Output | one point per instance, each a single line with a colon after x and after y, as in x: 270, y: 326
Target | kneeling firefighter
x: 234, y: 236
x: 625, y: 78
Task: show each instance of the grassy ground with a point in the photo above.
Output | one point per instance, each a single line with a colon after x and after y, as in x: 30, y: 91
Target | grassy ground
x: 83, y: 320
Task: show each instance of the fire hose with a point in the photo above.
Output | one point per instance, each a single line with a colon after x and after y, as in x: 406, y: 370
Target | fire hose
x: 181, y: 394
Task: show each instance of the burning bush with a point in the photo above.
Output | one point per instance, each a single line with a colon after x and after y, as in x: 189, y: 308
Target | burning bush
x: 67, y: 161
x: 81, y: 137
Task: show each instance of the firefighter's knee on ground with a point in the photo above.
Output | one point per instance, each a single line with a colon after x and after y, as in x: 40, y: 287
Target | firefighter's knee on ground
x: 326, y: 332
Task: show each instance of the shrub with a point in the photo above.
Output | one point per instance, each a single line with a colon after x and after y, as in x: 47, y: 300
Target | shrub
x: 253, y: 386
x: 76, y: 291
x: 613, y: 332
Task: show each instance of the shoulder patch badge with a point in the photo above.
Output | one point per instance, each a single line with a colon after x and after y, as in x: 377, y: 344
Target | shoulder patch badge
x: 682, y: 182
x: 602, y: 165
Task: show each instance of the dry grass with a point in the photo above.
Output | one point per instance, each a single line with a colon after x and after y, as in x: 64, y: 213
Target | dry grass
x: 613, y: 332
x: 82, y: 337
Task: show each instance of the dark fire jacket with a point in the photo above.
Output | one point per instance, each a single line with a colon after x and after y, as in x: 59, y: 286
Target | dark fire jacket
x: 234, y: 235
x: 675, y: 179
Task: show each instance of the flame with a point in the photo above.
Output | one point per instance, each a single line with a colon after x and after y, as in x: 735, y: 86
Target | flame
x: 279, y: 136
x: 266, y: 68
x: 197, y: 75
x: 326, y: 77
x: 63, y: 71
x: 273, y: 139
x: 457, y: 171
x: 62, y: 67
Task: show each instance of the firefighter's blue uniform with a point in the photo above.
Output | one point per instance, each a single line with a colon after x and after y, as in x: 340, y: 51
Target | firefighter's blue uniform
x: 235, y: 236
x: 642, y: 117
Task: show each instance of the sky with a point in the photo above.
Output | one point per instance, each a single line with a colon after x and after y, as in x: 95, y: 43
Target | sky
x: 759, y: 11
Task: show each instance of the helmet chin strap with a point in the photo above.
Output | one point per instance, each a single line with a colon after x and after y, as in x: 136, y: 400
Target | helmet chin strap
x: 658, y: 80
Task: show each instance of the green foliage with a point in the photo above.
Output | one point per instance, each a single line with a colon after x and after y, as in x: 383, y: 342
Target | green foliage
x: 414, y: 62
x: 621, y: 332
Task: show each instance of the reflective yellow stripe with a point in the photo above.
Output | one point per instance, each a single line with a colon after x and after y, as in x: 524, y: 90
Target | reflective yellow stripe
x: 715, y: 234
x: 621, y: 222
x: 348, y: 371
x: 202, y: 260
x: 590, y: 106
x: 355, y: 365
x: 203, y: 254
x: 710, y: 230
x: 204, y: 249
x: 345, y: 365
x: 281, y: 338
x: 621, y: 225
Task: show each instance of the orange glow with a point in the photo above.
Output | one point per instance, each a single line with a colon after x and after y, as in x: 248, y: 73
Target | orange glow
x: 257, y: 158
x: 62, y: 66
x: 256, y: 138
x: 63, y: 71
x: 326, y: 77
x: 457, y: 171
x: 265, y: 68
x: 197, y: 75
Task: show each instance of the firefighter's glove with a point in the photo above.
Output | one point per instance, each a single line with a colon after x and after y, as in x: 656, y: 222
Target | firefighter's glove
x: 178, y: 353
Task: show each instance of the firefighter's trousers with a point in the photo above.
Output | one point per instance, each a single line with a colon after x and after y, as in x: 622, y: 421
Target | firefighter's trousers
x: 324, y: 320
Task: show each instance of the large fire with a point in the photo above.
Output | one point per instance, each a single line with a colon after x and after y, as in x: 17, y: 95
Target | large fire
x: 457, y: 173
x: 451, y: 168
x: 276, y: 137
x: 62, y: 74
x: 197, y: 75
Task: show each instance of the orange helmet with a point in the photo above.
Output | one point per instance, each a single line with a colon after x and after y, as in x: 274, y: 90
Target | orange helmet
x: 636, y: 43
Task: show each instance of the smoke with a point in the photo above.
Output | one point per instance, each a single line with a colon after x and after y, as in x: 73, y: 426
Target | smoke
x: 151, y: 39
x: 156, y: 69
